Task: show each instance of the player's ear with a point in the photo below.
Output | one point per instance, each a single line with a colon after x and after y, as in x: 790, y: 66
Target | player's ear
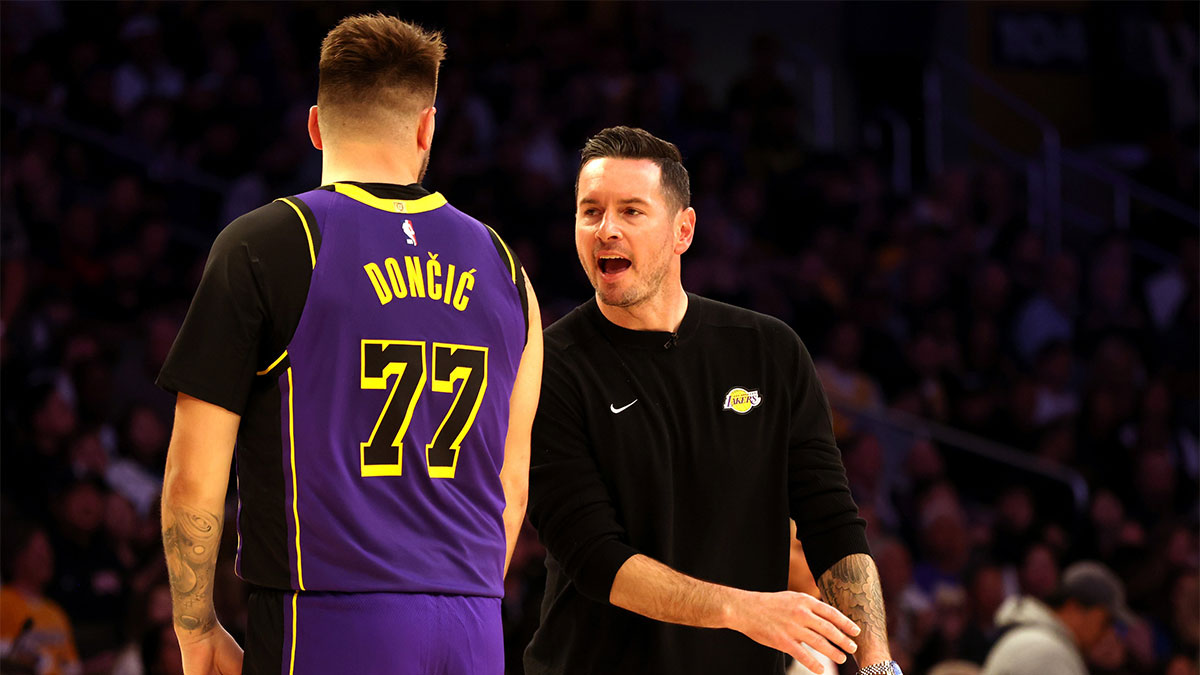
x: 685, y: 229
x: 425, y: 125
x: 314, y: 129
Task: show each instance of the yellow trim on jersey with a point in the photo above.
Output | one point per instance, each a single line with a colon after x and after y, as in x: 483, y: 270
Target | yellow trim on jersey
x: 295, y: 496
x: 312, y: 253
x: 292, y: 665
x: 512, y: 266
x: 427, y: 203
x: 275, y: 363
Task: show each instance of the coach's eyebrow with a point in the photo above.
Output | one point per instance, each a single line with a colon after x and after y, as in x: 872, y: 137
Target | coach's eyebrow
x: 627, y: 200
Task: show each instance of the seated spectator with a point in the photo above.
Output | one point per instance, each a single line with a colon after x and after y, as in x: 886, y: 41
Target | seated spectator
x: 160, y: 651
x: 1185, y: 613
x: 950, y: 626
x: 1038, y: 574
x: 89, y: 582
x: 985, y: 593
x: 137, y: 473
x: 151, y: 611
x: 1053, y: 636
x: 1050, y: 315
x: 35, y: 633
x: 945, y: 541
x: 1055, y: 397
x: 1109, y: 303
x: 870, y: 481
x: 844, y: 380
x: 910, y: 610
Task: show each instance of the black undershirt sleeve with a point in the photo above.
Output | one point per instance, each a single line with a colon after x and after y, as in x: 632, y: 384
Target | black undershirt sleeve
x: 826, y: 516
x: 569, y: 503
x: 245, y: 309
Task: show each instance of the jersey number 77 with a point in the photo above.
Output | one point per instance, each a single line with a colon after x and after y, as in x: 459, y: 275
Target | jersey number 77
x: 403, y: 362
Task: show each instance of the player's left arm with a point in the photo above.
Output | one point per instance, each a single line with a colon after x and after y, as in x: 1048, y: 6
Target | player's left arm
x: 522, y: 405
x: 193, y: 516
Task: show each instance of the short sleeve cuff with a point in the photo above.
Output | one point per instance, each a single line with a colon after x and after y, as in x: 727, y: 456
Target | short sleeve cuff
x: 175, y: 385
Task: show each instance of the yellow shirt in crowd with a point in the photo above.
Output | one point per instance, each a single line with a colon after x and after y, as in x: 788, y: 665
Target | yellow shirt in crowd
x: 49, y: 644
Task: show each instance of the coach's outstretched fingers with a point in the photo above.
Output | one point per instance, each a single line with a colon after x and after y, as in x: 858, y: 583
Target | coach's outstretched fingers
x: 787, y: 621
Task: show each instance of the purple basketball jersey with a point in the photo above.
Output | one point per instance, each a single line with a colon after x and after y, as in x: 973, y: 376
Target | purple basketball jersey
x: 394, y: 408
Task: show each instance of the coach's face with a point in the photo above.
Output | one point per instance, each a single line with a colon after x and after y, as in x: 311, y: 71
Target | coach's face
x: 628, y: 233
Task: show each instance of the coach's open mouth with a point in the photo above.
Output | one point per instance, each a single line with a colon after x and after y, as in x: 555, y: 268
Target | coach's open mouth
x: 613, y: 264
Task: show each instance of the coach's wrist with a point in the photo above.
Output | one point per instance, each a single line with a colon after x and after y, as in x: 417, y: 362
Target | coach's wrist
x: 729, y: 604
x: 871, y: 650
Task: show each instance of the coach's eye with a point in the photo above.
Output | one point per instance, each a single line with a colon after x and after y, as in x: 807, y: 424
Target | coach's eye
x: 632, y: 212
x: 589, y: 212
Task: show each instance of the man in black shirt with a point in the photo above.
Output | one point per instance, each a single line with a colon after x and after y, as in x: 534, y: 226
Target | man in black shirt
x: 675, y: 438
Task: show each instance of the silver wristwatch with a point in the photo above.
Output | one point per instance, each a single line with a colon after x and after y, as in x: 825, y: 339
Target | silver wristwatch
x: 881, y: 668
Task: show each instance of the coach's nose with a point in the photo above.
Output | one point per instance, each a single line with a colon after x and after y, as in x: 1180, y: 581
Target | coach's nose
x: 609, y: 229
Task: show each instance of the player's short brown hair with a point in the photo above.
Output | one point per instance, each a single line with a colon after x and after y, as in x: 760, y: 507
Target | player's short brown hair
x: 372, y: 63
x: 632, y: 143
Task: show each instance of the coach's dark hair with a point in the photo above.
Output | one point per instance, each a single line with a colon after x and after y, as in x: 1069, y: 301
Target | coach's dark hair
x: 378, y: 62
x: 632, y: 143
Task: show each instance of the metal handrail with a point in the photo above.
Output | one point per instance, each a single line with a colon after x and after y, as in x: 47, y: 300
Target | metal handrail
x: 901, y: 150
x: 958, y: 439
x: 1016, y: 103
x: 1054, y: 156
x: 1051, y: 141
x: 935, y: 149
x: 1125, y: 188
x: 823, y: 103
x: 1013, y: 159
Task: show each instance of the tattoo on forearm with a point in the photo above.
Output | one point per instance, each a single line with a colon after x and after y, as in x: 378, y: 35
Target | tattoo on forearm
x: 191, y: 538
x: 852, y: 585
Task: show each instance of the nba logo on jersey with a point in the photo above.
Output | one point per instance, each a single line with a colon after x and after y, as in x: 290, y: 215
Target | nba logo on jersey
x: 409, y: 232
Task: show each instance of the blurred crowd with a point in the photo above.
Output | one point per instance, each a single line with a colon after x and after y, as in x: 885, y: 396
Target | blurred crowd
x: 132, y: 134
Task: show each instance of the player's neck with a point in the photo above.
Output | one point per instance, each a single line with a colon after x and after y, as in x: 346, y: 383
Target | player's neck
x: 361, y: 162
x: 663, y: 312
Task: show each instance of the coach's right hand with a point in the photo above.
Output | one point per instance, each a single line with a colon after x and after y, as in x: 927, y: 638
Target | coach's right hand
x: 213, y: 653
x: 787, y: 620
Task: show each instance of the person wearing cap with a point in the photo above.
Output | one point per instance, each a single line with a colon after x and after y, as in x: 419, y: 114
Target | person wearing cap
x: 1053, y: 636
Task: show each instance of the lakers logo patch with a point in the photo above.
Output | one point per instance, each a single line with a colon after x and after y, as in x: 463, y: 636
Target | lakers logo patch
x: 741, y: 401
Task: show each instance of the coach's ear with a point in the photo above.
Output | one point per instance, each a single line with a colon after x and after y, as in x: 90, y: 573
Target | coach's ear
x: 685, y: 229
x: 314, y: 129
x: 425, y: 125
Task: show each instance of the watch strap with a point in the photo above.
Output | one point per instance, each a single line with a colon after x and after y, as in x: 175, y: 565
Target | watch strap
x: 881, y: 668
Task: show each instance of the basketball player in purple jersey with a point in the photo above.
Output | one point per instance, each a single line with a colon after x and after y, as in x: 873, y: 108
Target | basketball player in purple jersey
x: 374, y: 354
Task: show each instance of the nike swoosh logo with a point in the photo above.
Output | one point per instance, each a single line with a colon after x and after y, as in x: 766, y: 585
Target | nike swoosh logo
x: 617, y: 410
